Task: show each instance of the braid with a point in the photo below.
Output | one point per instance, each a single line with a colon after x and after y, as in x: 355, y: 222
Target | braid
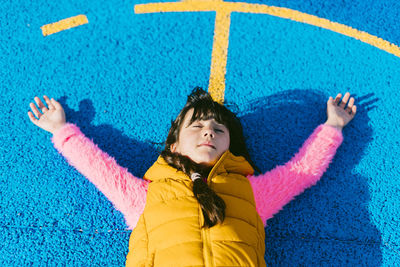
x: 211, y: 204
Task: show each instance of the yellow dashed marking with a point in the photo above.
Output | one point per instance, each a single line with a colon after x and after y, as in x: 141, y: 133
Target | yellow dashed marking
x: 64, y: 24
x: 221, y: 30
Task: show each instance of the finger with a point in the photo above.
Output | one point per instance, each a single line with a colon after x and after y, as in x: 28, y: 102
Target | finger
x: 56, y: 104
x: 32, y: 118
x: 345, y: 99
x: 350, y: 105
x: 35, y: 110
x: 48, y: 102
x: 337, y: 98
x: 354, y: 110
x: 40, y: 104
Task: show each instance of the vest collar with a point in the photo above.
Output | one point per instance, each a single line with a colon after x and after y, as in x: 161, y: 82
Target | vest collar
x: 227, y: 163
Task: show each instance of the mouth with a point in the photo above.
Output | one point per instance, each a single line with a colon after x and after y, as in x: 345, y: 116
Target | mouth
x: 208, y: 145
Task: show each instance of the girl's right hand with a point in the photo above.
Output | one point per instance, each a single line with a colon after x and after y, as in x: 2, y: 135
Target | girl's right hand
x: 52, y: 119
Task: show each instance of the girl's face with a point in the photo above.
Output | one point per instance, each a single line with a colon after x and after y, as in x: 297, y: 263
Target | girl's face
x: 203, y: 141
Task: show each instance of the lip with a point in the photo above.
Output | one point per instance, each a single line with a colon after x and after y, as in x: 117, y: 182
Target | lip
x: 208, y: 144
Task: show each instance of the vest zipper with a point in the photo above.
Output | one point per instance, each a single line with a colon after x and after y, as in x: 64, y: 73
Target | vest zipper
x: 205, y: 233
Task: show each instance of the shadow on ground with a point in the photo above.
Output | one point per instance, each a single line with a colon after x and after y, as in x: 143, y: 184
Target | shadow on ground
x: 329, y: 223
x: 326, y: 225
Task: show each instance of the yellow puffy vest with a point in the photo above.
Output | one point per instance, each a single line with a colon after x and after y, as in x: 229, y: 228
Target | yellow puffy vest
x: 169, y: 231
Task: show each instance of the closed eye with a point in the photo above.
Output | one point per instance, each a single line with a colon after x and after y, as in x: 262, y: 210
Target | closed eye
x: 215, y: 129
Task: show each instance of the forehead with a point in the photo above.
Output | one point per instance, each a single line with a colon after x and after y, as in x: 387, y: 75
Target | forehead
x: 189, y: 115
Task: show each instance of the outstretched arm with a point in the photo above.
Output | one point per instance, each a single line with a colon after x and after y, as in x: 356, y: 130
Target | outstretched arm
x: 276, y: 188
x: 126, y: 192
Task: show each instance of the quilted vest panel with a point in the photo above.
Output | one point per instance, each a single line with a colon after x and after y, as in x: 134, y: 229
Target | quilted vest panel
x: 169, y: 230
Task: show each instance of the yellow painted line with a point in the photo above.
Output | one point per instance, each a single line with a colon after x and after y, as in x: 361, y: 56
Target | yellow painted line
x: 216, y: 86
x: 327, y: 24
x: 191, y: 5
x: 221, y: 31
x: 64, y: 24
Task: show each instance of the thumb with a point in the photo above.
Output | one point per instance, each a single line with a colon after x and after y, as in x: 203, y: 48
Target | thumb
x: 329, y: 104
x: 56, y: 104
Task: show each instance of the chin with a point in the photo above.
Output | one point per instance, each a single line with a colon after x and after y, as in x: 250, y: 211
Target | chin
x: 204, y: 161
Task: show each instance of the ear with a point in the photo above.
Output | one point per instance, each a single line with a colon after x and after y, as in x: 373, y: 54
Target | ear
x: 172, y: 148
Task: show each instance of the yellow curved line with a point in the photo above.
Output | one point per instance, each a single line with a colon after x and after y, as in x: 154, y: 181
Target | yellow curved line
x: 223, y: 11
x: 190, y: 5
x: 64, y: 24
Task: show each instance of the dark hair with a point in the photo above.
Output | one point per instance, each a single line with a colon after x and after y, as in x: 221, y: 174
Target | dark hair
x: 204, y: 108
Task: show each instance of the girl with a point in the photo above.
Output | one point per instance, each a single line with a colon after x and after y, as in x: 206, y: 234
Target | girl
x: 200, y: 203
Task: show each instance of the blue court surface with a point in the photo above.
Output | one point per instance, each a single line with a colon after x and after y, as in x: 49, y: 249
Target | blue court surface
x: 123, y: 75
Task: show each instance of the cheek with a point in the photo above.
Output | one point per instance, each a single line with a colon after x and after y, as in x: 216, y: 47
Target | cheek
x: 185, y: 142
x: 227, y: 143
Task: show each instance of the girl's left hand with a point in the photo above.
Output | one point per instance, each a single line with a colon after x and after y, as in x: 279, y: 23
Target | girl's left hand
x: 338, y: 115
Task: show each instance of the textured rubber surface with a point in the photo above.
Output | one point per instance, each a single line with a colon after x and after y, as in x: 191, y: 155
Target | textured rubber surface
x: 123, y: 76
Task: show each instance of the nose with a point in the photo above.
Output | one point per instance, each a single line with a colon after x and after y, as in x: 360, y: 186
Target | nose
x: 208, y: 132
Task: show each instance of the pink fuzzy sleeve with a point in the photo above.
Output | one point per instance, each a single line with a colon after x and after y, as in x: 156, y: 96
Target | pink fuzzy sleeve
x: 125, y: 191
x: 279, y: 186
